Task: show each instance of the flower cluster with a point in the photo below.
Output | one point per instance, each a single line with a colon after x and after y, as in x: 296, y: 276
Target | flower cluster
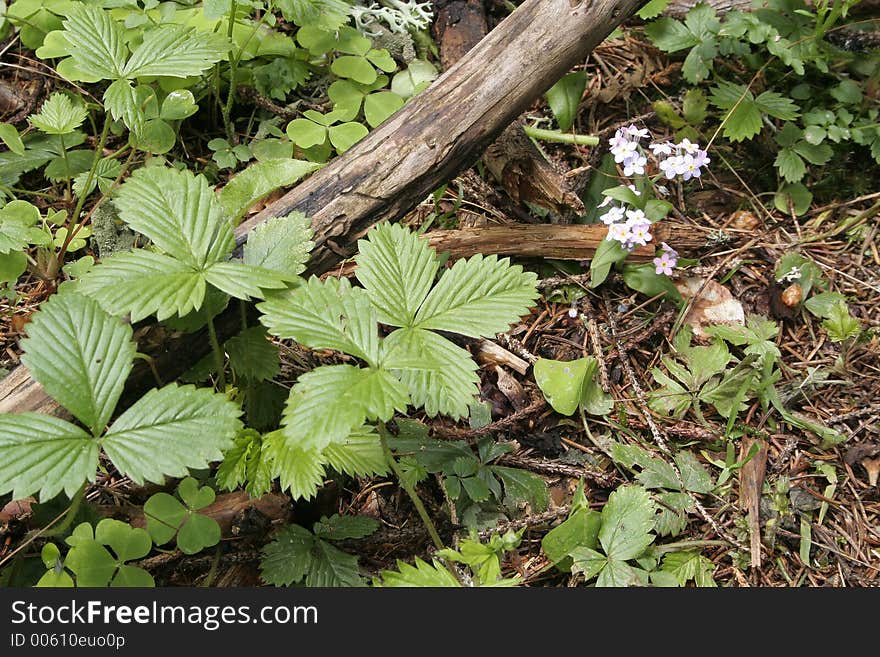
x: 685, y: 159
x: 631, y: 227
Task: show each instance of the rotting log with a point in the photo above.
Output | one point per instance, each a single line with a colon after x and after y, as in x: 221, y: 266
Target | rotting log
x: 444, y: 129
x: 439, y: 133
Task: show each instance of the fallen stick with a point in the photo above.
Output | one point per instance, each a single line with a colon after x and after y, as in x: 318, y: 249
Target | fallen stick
x: 439, y: 133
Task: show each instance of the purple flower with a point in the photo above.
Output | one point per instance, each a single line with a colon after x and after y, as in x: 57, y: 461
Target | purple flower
x: 615, y: 213
x: 664, y: 264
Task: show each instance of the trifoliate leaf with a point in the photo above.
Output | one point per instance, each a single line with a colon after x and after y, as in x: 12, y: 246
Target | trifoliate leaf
x: 422, y: 574
x: 95, y: 42
x: 338, y: 528
x: 449, y: 389
x: 44, y: 454
x: 178, y: 212
x: 627, y: 522
x: 397, y: 269
x: 171, y: 429
x: 328, y: 314
x: 359, y: 454
x: 244, y: 281
x: 743, y: 120
x: 326, y: 404
x: 81, y: 356
x: 174, y: 51
x: 143, y: 283
x: 297, y: 555
x: 127, y: 542
x: 59, y: 116
x: 298, y: 470
x: 251, y: 355
x: 92, y: 564
x: 166, y: 516
x: 478, y: 297
x: 259, y: 180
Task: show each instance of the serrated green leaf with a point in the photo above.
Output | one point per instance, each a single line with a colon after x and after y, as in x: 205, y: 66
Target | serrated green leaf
x: 565, y: 96
x: 359, y: 454
x: 791, y: 166
x: 174, y: 51
x: 689, y: 565
x: 143, y: 283
x: 840, y: 324
x: 298, y: 470
x: 338, y: 528
x: 244, y: 464
x: 478, y: 297
x: 670, y: 35
x: 80, y: 355
x: 171, y: 429
x: 627, y: 522
x: 296, y: 555
x: 178, y: 212
x: 652, y: 9
x: 695, y: 68
x: 95, y: 42
x: 244, y: 281
x: 449, y: 389
x: 59, y: 116
x: 326, y: 404
x: 44, y: 454
x: 105, y: 174
x: 619, y: 574
x: 328, y: 314
x: 281, y: 244
x: 397, y: 269
x: 120, y: 101
x: 777, y: 105
x: 251, y: 355
x: 743, y: 120
x: 259, y: 180
x: 422, y: 574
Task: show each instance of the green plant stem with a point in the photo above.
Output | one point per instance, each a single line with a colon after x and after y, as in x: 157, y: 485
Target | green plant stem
x: 417, y: 502
x: 68, y: 193
x: 73, y: 221
x: 233, y: 65
x: 686, y: 545
x: 72, y: 510
x: 242, y: 309
x: 218, y: 356
x: 561, y: 137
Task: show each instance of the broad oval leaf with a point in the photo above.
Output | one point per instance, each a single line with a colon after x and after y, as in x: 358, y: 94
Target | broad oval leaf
x: 178, y: 212
x: 478, y: 297
x: 328, y: 314
x: 81, y: 356
x: 397, y: 269
x: 171, y: 429
x: 564, y: 97
x: 143, y: 283
x: 44, y: 454
x: 563, y: 382
x: 327, y: 403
